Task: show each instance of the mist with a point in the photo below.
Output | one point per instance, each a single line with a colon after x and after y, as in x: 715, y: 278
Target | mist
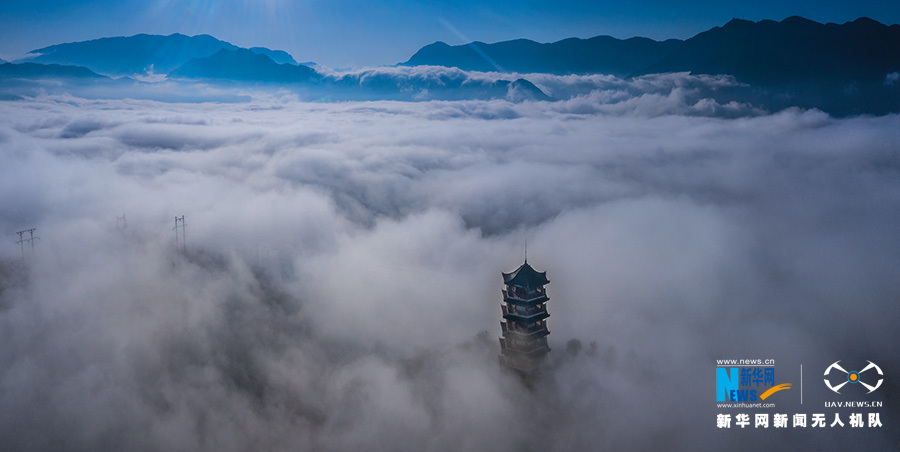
x: 340, y: 284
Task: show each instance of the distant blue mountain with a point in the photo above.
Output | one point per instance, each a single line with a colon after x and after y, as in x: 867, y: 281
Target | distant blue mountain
x: 141, y: 54
x: 846, y: 69
x: 600, y: 54
x: 278, y: 56
x: 39, y: 71
x: 136, y: 54
x: 34, y: 79
x: 243, y: 65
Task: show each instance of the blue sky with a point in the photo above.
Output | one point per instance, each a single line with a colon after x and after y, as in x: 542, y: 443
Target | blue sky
x: 345, y: 33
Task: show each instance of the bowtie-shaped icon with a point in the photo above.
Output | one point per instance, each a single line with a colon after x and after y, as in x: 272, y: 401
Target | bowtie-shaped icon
x: 853, y: 377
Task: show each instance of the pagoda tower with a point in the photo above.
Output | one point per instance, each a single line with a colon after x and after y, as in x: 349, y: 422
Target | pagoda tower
x: 524, y: 325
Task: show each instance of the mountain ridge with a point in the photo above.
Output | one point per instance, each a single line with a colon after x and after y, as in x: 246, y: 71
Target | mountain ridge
x: 141, y: 53
x: 599, y: 54
x: 843, y: 69
x: 38, y: 70
x: 243, y: 65
x: 764, y: 52
x: 794, y: 50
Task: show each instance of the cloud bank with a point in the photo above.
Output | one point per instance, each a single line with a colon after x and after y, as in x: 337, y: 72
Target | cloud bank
x: 649, y: 95
x: 343, y: 261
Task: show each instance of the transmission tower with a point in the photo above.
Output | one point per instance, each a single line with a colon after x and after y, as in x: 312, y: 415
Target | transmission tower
x: 31, y: 238
x: 121, y: 223
x: 179, y: 223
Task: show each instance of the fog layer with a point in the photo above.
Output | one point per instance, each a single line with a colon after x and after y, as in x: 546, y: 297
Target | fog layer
x: 343, y: 258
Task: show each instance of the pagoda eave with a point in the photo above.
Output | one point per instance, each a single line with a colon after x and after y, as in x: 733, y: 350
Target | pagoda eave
x: 531, y: 335
x: 526, y: 318
x: 523, y: 302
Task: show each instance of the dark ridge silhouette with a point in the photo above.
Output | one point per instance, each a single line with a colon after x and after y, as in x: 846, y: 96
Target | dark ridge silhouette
x: 56, y: 71
x: 600, y: 54
x: 793, y: 50
x: 845, y: 69
x: 142, y: 53
x: 763, y: 53
x: 243, y: 65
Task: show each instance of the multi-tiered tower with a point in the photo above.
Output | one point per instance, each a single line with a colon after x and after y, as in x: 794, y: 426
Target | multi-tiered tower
x: 524, y: 325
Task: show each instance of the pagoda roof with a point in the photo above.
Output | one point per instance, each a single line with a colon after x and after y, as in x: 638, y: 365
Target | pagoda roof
x: 526, y: 277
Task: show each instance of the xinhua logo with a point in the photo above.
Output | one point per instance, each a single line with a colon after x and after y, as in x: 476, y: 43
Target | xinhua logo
x: 746, y: 384
x: 852, y: 377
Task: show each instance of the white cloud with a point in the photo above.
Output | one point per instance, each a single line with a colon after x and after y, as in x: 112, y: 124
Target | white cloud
x: 345, y: 255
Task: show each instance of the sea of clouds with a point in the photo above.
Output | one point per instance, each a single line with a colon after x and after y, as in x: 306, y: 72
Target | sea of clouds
x: 340, y: 289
